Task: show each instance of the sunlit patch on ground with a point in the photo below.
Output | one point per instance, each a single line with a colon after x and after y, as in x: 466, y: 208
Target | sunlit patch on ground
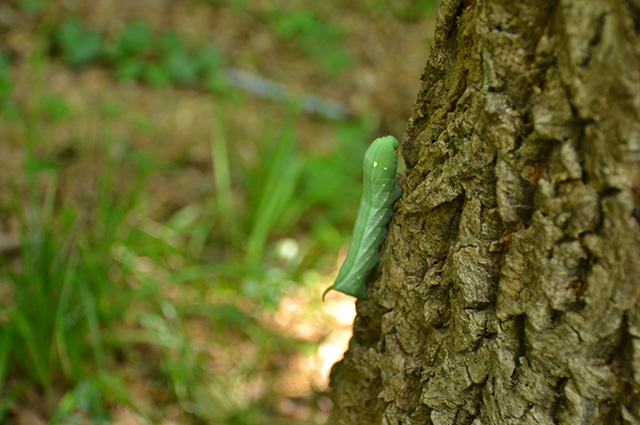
x: 330, y: 329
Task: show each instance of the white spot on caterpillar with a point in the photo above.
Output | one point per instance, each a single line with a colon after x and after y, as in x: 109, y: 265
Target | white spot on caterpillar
x: 375, y: 164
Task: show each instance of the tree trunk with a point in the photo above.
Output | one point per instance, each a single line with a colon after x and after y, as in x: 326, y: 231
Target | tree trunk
x: 508, y: 288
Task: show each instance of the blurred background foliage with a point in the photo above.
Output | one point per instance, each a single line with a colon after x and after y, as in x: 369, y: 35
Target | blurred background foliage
x: 179, y: 181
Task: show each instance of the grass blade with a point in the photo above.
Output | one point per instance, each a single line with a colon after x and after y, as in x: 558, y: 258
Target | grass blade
x: 281, y: 179
x: 221, y: 173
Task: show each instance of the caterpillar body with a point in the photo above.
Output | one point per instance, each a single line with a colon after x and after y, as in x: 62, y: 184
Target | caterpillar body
x: 380, y: 192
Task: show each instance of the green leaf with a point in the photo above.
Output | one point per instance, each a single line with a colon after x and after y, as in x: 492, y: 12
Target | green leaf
x: 156, y: 75
x: 208, y: 60
x: 78, y: 44
x: 135, y: 38
x: 181, y: 67
x: 31, y: 7
x: 129, y: 69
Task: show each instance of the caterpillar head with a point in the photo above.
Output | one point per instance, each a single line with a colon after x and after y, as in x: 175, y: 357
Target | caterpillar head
x: 381, y: 159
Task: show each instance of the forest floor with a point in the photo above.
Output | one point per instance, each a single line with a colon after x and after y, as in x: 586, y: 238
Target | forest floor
x: 163, y: 190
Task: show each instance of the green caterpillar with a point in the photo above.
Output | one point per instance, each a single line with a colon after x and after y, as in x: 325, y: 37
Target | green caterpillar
x: 380, y: 192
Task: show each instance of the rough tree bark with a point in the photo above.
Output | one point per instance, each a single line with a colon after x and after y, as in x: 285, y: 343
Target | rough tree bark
x: 508, y: 289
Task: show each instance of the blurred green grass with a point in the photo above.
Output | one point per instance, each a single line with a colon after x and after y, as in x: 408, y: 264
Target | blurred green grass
x: 107, y: 300
x: 89, y: 286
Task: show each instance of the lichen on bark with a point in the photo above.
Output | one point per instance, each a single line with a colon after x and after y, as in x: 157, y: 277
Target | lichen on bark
x: 509, y: 284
